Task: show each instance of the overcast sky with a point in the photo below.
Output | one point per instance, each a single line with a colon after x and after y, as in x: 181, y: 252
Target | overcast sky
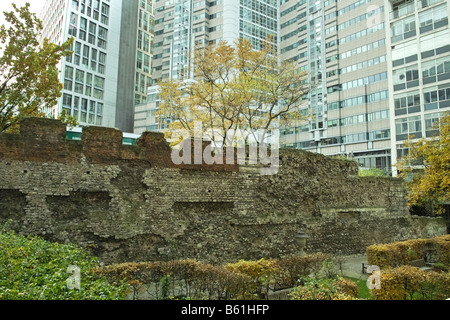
x: 5, y: 5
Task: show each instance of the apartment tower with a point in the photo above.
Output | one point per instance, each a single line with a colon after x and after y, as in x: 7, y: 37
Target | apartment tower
x: 110, y: 66
x: 181, y: 25
x: 418, y: 42
x: 342, y: 45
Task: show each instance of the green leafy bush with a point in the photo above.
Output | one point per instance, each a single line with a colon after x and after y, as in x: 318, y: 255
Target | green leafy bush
x: 32, y: 268
x: 294, y: 267
x: 325, y: 289
x: 373, y: 172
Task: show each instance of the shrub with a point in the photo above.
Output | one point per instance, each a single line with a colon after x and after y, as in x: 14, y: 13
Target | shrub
x: 325, y: 289
x: 32, y: 268
x: 401, y: 253
x: 347, y: 286
x: 262, y: 273
x: 407, y: 283
x: 373, y: 172
x: 191, y: 279
x: 293, y: 268
x: 179, y: 279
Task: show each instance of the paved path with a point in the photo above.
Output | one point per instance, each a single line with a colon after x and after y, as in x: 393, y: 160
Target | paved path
x: 352, y: 266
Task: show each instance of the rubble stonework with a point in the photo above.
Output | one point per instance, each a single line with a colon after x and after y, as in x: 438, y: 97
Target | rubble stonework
x: 131, y: 203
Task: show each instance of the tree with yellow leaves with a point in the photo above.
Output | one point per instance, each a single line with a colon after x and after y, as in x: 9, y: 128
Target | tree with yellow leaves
x: 28, y: 71
x: 430, y: 183
x: 235, y: 88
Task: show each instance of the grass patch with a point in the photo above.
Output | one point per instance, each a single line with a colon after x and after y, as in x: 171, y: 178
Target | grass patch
x: 363, y: 290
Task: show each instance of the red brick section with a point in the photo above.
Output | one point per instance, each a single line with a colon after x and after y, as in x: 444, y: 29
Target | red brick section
x: 44, y: 140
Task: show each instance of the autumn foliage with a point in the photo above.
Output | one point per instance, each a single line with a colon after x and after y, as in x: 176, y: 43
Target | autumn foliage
x: 402, y: 281
x: 29, y: 75
x: 234, y: 88
x: 326, y: 289
x: 408, y: 283
x: 189, y: 278
x: 431, y: 181
x: 403, y: 252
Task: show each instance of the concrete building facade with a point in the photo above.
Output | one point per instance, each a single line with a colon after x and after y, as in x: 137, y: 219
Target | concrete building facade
x: 342, y: 45
x: 378, y: 74
x: 379, y: 70
x: 418, y: 40
x: 98, y: 79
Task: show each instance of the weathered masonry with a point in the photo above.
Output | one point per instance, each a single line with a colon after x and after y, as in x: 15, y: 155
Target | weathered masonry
x: 131, y: 203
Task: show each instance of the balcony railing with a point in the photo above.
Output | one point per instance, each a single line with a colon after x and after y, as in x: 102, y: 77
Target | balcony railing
x: 402, y: 10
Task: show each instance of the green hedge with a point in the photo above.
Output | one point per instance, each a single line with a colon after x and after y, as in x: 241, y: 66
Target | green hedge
x: 403, y: 252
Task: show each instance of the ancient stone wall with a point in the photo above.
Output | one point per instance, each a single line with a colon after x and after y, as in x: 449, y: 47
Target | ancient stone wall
x: 131, y: 203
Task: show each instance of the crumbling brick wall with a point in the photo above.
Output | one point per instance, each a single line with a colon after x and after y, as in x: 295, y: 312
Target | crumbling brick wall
x: 131, y: 203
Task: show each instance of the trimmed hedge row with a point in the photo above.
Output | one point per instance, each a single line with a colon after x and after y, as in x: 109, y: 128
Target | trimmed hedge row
x: 408, y: 283
x: 403, y: 252
x: 191, y: 279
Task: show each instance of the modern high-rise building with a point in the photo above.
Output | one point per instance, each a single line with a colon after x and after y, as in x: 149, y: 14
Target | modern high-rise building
x: 342, y: 45
x: 109, y: 70
x: 181, y: 25
x: 379, y: 70
x: 418, y: 42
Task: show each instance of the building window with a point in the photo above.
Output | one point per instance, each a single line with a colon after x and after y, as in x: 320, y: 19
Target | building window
x: 77, y: 53
x: 436, y: 97
x: 73, y: 24
x: 102, y: 37
x: 83, y: 114
x: 380, y: 134
x: 139, y: 60
x: 404, y: 53
x: 433, y: 18
x: 436, y: 70
x: 85, y: 60
x: 92, y: 32
x: 94, y: 59
x: 406, y: 77
x: 403, y: 29
x: 434, y: 44
x: 83, y: 28
x: 76, y: 104
x: 378, y: 115
x: 68, y: 78
x: 79, y: 81
x: 105, y: 14
x: 99, y: 85
x: 408, y: 126
x: 67, y: 103
x: 75, y: 5
x: 88, y: 86
x: 431, y: 124
x: 406, y: 103
x: 101, y: 62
